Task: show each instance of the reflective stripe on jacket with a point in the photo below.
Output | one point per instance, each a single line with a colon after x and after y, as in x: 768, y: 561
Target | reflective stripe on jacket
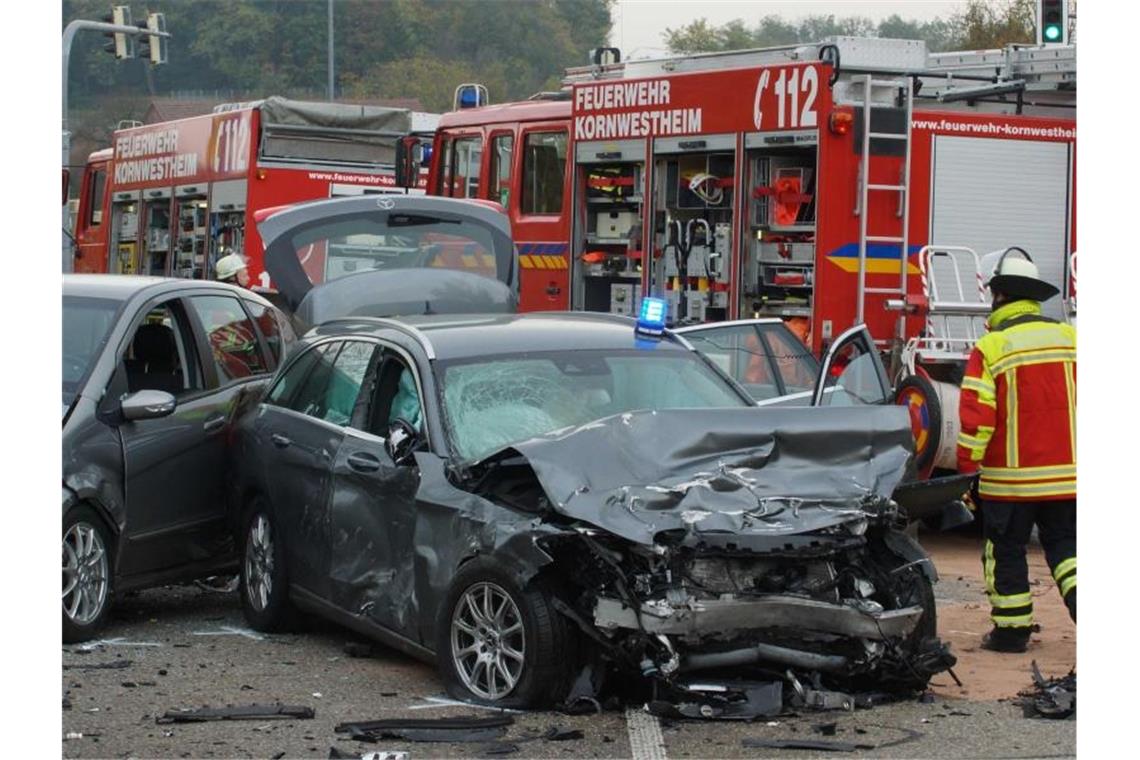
x: 1018, y: 407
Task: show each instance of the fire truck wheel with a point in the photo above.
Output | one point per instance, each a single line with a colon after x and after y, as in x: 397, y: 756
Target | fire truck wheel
x: 917, y: 394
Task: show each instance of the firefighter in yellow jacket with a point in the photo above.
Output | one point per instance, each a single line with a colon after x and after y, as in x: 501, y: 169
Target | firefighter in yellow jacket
x: 1018, y: 412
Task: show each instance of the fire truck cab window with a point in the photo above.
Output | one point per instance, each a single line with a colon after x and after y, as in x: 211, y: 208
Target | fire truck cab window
x: 466, y: 156
x: 544, y: 172
x: 444, y: 180
x: 232, y: 337
x: 95, y: 198
x: 499, y: 181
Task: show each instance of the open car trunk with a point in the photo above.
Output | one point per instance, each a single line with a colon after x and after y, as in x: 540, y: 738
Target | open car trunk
x: 390, y: 255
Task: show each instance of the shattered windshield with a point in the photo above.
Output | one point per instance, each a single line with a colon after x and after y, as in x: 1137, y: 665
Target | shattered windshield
x: 86, y: 322
x: 493, y: 402
x: 399, y: 241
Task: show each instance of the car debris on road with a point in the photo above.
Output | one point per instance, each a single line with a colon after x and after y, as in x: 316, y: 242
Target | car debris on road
x: 246, y: 712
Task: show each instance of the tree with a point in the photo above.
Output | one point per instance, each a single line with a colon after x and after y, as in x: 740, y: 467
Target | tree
x: 985, y: 25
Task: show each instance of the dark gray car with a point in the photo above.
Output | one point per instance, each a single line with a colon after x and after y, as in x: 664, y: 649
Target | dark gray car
x: 536, y: 500
x: 154, y: 372
x: 523, y: 497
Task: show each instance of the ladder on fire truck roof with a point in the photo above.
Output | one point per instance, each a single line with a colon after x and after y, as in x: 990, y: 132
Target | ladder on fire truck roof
x: 968, y: 75
x: 905, y: 88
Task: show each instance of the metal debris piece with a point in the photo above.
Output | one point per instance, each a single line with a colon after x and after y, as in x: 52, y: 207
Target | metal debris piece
x: 219, y: 584
x: 113, y: 665
x: 246, y: 712
x: 753, y: 742
x: 464, y: 728
x: 498, y: 748
x: 1053, y: 698
x: 819, y: 699
x: 731, y: 700
x: 559, y: 734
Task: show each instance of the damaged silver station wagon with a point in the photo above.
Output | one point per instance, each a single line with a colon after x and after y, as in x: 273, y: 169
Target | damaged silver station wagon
x: 536, y: 501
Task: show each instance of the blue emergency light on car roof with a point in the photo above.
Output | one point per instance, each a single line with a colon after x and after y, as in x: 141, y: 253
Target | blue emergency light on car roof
x: 651, y: 321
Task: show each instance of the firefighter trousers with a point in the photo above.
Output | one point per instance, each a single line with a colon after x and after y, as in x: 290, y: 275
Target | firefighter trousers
x: 1007, y: 526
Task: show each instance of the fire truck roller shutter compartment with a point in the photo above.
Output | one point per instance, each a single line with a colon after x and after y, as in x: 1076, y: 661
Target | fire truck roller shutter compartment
x: 191, y: 233
x: 989, y: 194
x: 227, y: 220
x: 607, y: 260
x: 155, y: 234
x: 778, y: 266
x: 125, y: 231
x: 693, y: 201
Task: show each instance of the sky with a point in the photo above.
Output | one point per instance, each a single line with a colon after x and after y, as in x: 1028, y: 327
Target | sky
x: 639, y: 24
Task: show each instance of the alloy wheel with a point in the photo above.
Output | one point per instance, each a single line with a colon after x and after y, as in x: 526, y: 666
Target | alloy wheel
x: 259, y: 562
x: 85, y: 574
x: 488, y: 646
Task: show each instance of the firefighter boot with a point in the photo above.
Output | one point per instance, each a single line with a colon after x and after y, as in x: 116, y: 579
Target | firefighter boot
x: 1011, y: 640
x: 1071, y: 603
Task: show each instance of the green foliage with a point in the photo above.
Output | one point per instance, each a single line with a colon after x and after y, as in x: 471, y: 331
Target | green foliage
x: 983, y: 24
x: 238, y: 49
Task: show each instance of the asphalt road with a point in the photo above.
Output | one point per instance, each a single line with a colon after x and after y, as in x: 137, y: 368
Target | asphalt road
x: 189, y: 648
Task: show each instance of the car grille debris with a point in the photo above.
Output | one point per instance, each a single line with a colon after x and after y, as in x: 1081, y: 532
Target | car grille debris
x: 245, y: 712
x: 459, y: 729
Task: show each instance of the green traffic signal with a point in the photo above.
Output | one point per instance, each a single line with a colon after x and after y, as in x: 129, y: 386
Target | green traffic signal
x: 1052, y: 32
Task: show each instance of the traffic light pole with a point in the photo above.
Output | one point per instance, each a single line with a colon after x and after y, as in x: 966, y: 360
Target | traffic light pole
x: 69, y: 33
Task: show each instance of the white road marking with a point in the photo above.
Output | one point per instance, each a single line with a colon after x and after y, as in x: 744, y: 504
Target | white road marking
x: 645, y: 739
x: 231, y: 631
x: 115, y: 642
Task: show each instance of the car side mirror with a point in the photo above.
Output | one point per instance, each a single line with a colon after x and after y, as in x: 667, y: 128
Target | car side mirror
x: 403, y: 440
x: 147, y: 405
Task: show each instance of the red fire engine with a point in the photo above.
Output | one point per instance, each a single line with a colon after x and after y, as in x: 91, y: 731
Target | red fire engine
x: 786, y: 182
x: 169, y: 198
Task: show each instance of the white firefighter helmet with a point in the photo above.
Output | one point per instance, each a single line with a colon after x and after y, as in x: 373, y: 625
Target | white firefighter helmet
x: 1017, y: 277
x: 229, y: 265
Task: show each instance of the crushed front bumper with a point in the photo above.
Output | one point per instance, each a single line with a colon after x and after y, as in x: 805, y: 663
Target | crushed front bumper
x: 721, y: 616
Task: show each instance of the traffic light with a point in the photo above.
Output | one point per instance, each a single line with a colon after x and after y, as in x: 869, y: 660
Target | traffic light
x: 122, y: 45
x: 151, y: 45
x: 1052, y: 22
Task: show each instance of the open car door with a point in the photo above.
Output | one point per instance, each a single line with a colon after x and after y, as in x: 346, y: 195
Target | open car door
x: 390, y: 255
x: 852, y: 373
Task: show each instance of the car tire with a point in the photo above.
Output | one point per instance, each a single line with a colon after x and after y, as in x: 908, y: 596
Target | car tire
x: 918, y: 395
x: 526, y: 647
x: 264, y: 574
x: 86, y: 574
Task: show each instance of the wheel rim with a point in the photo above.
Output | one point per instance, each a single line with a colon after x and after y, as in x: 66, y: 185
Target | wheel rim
x: 259, y: 562
x: 84, y: 573
x: 488, y: 643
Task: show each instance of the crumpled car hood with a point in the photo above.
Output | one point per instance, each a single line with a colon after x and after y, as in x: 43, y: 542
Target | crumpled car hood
x: 749, y: 472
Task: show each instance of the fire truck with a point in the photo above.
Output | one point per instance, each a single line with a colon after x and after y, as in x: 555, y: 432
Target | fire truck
x: 171, y: 198
x: 851, y: 181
